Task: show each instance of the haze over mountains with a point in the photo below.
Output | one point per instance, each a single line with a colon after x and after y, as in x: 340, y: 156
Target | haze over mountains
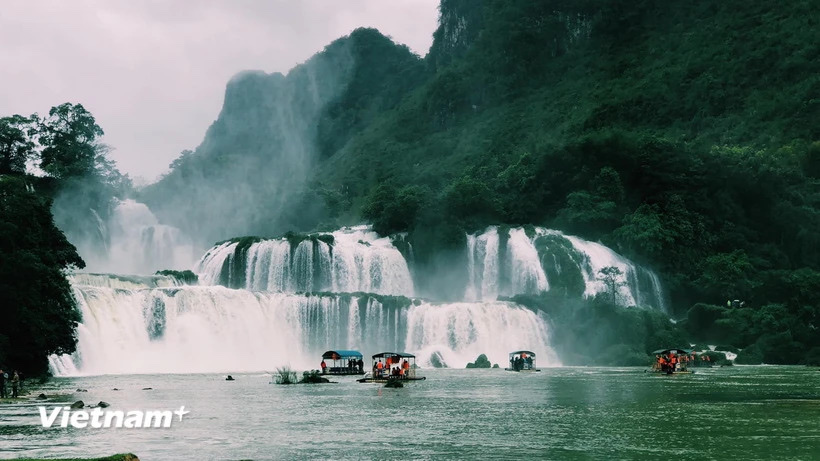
x: 648, y: 125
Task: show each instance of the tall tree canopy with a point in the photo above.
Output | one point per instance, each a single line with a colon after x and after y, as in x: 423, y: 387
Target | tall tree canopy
x: 69, y: 138
x: 17, y: 144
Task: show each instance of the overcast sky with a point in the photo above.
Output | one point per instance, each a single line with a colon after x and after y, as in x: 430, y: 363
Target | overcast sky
x: 153, y: 72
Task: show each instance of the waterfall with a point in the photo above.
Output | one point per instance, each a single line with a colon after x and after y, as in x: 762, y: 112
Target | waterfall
x: 483, y: 272
x: 518, y: 263
x: 346, y: 261
x: 190, y: 329
x: 133, y: 241
x: 266, y: 303
x: 457, y: 333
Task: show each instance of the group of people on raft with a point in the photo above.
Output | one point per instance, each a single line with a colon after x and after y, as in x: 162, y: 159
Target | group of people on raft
x: 522, y: 362
x: 391, y: 367
x: 674, y: 363
x: 353, y: 366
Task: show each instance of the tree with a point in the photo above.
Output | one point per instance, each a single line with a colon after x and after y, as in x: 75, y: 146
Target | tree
x: 612, y: 278
x: 17, y: 144
x: 395, y: 210
x: 598, y: 209
x: 37, y: 309
x: 728, y: 275
x: 644, y: 232
x: 69, y: 138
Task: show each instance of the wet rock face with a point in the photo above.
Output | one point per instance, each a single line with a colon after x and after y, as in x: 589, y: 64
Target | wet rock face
x: 77, y: 405
x: 437, y: 360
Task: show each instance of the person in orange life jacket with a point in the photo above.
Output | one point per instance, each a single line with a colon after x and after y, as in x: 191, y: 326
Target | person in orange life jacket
x: 324, y: 367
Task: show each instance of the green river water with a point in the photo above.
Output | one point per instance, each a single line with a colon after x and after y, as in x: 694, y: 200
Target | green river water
x: 732, y: 413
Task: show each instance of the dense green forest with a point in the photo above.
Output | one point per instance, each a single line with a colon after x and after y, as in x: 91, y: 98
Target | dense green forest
x: 684, y: 135
x: 38, y: 310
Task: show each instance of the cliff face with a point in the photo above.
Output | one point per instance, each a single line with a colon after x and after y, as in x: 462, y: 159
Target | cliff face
x: 272, y: 130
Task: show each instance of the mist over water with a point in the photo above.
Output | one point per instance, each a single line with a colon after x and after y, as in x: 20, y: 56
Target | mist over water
x: 130, y: 241
x: 184, y: 329
x: 246, y: 176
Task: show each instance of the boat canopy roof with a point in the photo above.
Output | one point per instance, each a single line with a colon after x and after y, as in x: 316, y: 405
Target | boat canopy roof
x: 342, y: 354
x: 381, y: 355
x: 522, y: 352
x: 674, y: 350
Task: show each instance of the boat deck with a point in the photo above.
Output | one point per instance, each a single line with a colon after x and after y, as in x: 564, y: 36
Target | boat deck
x: 385, y: 379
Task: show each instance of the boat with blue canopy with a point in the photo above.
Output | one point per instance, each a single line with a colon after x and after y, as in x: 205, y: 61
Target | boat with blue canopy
x: 342, y: 362
x: 522, y: 361
x: 387, y: 366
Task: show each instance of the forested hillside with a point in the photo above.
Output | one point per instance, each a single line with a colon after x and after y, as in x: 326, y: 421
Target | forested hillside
x: 683, y: 134
x: 247, y: 175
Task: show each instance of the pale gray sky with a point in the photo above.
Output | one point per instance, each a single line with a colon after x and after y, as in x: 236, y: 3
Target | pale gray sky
x: 153, y: 72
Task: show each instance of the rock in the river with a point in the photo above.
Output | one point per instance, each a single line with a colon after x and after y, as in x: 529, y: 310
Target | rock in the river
x: 147, y: 388
x: 481, y: 362
x: 77, y: 405
x: 81, y: 390
x: 41, y: 397
x: 229, y: 378
x: 313, y: 378
x: 437, y: 360
x: 103, y: 404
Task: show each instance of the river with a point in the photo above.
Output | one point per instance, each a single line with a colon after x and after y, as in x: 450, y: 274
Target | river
x: 733, y: 413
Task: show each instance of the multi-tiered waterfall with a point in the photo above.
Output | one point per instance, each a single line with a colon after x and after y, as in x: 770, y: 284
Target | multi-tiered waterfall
x: 177, y: 329
x: 349, y: 260
x: 264, y: 303
x: 519, y: 261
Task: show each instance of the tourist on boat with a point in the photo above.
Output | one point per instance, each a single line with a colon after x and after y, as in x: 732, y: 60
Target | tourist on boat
x: 405, y: 365
x: 324, y: 367
x: 361, y: 366
x: 379, y: 367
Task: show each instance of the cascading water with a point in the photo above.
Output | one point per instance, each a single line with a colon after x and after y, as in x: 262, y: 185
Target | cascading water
x: 349, y: 260
x: 134, y: 242
x: 154, y: 324
x: 517, y: 263
x: 210, y: 329
x: 457, y: 333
